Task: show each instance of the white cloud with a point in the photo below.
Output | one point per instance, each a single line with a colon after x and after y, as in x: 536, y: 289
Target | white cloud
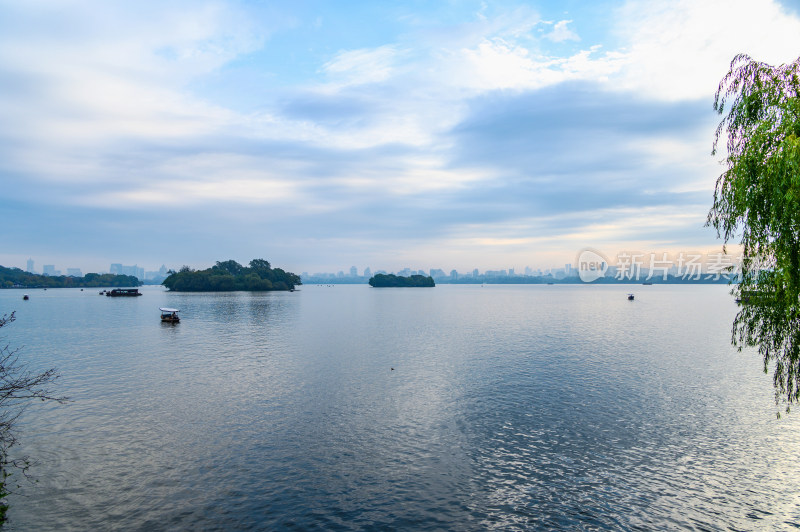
x: 357, y: 67
x: 681, y: 49
x: 562, y: 33
x: 99, y: 103
x: 499, y: 64
x: 179, y: 193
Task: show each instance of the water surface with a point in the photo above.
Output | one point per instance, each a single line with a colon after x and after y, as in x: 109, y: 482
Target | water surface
x: 347, y: 407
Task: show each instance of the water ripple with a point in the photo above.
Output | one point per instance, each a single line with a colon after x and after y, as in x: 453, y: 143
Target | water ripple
x: 510, y: 408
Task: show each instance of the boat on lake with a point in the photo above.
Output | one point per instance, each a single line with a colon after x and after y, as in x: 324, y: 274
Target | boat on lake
x: 124, y: 292
x: 630, y: 297
x: 169, y: 315
x: 25, y: 297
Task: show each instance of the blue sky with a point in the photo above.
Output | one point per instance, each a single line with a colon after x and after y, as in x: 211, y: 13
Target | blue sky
x: 319, y: 135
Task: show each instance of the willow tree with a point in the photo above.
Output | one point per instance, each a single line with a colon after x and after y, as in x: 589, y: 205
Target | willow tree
x: 757, y: 202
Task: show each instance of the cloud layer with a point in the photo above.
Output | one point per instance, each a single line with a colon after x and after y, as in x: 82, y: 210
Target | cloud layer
x: 484, y: 135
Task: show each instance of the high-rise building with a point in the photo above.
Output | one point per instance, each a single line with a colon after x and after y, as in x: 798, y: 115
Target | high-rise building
x: 453, y: 275
x: 29, y: 268
x: 367, y: 272
x: 74, y: 272
x: 135, y: 270
x: 475, y: 272
x: 353, y: 271
x: 50, y: 269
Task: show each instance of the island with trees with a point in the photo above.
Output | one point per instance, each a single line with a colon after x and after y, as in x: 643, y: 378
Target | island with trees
x: 382, y: 280
x: 229, y: 276
x: 16, y: 278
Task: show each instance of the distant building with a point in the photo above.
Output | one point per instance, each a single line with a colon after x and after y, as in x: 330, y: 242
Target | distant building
x: 453, y: 275
x: 528, y: 271
x: 511, y: 272
x: 135, y: 270
x: 353, y: 271
x: 30, y: 269
x: 50, y: 270
x: 367, y: 272
x: 436, y: 273
x: 475, y: 273
x: 74, y: 272
x: 160, y: 275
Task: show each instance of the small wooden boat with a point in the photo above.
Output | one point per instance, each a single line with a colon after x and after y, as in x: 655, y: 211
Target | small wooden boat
x: 169, y: 315
x: 630, y: 297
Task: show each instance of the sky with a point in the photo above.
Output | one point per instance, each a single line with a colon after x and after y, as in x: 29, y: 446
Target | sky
x: 320, y: 134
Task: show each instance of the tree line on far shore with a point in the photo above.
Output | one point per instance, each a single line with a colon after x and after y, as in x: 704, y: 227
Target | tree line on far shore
x: 14, y: 277
x: 229, y: 276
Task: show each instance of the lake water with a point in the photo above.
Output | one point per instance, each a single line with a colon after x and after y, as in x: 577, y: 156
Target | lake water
x: 348, y: 407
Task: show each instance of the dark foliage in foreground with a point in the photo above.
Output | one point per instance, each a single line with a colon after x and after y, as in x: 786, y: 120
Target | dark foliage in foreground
x: 231, y: 276
x: 18, y: 387
x: 390, y: 280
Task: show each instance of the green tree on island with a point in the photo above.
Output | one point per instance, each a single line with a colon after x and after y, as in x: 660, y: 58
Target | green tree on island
x: 757, y: 200
x: 229, y: 276
x: 383, y: 280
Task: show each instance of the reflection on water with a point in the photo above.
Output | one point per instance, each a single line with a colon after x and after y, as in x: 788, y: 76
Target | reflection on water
x: 507, y: 407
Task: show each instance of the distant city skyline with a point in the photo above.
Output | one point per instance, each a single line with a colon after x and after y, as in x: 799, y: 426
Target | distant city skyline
x: 488, y: 134
x: 568, y: 265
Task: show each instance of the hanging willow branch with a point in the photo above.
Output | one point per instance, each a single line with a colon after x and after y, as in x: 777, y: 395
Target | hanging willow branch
x: 757, y: 198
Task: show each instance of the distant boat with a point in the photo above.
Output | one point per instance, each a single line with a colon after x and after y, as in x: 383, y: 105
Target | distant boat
x: 169, y: 315
x: 630, y: 297
x: 124, y: 292
x: 25, y: 297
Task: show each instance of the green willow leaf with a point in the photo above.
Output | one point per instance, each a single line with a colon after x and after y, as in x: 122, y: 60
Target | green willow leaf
x: 757, y: 201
